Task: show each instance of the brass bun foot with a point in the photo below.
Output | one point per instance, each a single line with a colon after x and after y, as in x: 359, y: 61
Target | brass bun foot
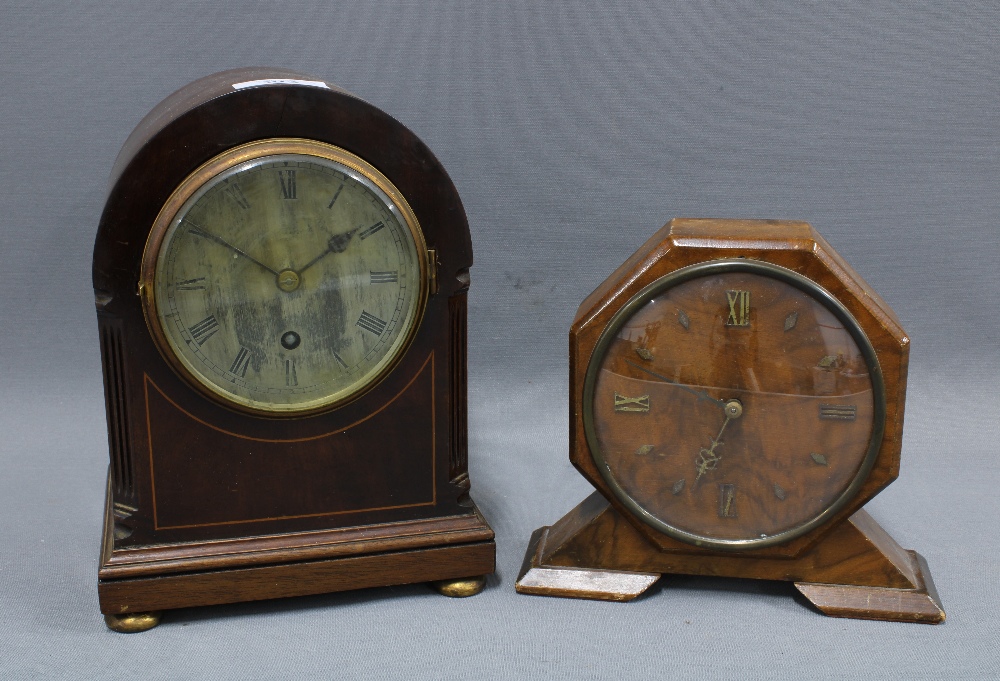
x: 460, y: 588
x: 133, y: 623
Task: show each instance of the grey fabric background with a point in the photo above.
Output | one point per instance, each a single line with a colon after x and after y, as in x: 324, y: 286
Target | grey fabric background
x: 573, y: 131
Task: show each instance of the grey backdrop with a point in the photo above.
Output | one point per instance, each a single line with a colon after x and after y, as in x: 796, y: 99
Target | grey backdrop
x: 573, y: 131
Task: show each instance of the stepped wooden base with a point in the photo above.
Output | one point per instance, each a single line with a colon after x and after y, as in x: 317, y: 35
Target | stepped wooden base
x: 857, y: 570
x: 134, y: 585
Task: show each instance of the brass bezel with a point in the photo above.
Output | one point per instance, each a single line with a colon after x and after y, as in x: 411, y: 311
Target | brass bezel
x: 219, y: 164
x: 787, y: 276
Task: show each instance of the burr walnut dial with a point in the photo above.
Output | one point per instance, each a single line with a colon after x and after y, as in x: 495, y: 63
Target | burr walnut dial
x: 284, y: 276
x: 734, y: 404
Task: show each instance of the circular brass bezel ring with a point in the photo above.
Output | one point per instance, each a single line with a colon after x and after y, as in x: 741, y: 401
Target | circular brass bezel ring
x: 710, y: 268
x: 252, y: 151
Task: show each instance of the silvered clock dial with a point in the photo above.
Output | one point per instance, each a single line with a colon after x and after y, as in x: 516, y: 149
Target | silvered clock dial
x: 284, y: 276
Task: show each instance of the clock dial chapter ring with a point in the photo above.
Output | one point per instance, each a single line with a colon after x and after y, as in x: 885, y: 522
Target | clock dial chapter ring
x: 270, y: 298
x: 724, y: 451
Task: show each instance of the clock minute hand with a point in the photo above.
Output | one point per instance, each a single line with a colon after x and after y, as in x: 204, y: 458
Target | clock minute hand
x: 198, y: 231
x: 700, y: 393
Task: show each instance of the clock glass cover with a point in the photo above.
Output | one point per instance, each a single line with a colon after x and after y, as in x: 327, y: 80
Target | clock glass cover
x: 734, y: 404
x: 284, y: 277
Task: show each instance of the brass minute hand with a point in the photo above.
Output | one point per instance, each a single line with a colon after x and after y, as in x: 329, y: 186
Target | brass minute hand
x: 199, y: 231
x: 707, y: 458
x: 702, y: 395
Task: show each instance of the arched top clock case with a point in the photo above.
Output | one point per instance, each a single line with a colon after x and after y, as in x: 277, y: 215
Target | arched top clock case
x: 189, y: 471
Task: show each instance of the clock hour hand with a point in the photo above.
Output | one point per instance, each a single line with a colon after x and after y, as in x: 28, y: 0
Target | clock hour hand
x: 702, y: 395
x: 336, y: 244
x: 198, y: 231
x: 707, y: 458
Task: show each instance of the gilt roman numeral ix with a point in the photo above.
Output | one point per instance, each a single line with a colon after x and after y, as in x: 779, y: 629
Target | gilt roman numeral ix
x: 370, y: 322
x: 739, y: 308
x: 204, y: 329
x: 240, y: 364
x: 287, y: 180
x: 384, y: 277
x: 624, y: 403
x: 838, y: 412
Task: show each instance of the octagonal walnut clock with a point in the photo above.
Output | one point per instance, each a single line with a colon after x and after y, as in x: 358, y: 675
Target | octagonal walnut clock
x: 736, y: 397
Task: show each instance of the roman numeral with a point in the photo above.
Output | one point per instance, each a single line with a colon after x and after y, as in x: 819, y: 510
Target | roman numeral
x: 335, y: 196
x: 240, y: 364
x: 204, y: 329
x: 623, y: 403
x: 340, y: 360
x: 290, y: 378
x: 739, y: 308
x: 371, y: 230
x: 370, y: 322
x: 838, y: 412
x: 191, y: 284
x: 384, y: 277
x: 727, y: 501
x: 287, y: 180
x: 236, y: 194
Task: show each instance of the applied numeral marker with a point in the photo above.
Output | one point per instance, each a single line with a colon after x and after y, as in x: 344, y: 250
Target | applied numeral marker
x: 384, y: 277
x: 791, y: 320
x: 838, y: 412
x: 290, y: 378
x: 638, y: 404
x: 644, y: 353
x: 779, y: 492
x: 191, y: 284
x: 739, y: 308
x: 287, y: 180
x: 727, y: 501
x: 337, y: 194
x: 678, y: 486
x: 204, y: 329
x: 683, y: 319
x: 371, y: 230
x: 340, y: 360
x: 241, y: 363
x: 236, y: 194
x: 370, y: 322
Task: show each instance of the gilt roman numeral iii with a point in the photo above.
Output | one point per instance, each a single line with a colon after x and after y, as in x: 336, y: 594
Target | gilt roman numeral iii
x: 727, y: 501
x: 287, y: 180
x: 204, y: 329
x: 624, y: 403
x: 370, y: 322
x: 739, y: 308
x: 240, y: 364
x: 384, y: 277
x: 838, y: 412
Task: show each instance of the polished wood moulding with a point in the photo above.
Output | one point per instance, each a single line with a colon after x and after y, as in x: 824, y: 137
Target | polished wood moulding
x: 856, y: 571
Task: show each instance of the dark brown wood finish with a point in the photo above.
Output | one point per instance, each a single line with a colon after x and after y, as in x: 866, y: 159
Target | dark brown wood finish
x: 603, y: 541
x: 196, y: 486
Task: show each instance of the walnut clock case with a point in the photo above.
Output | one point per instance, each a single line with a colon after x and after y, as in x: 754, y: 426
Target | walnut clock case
x: 280, y: 274
x: 736, y: 397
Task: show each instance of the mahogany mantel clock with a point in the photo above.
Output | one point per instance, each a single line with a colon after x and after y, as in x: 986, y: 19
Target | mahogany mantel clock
x: 280, y: 274
x: 736, y: 396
